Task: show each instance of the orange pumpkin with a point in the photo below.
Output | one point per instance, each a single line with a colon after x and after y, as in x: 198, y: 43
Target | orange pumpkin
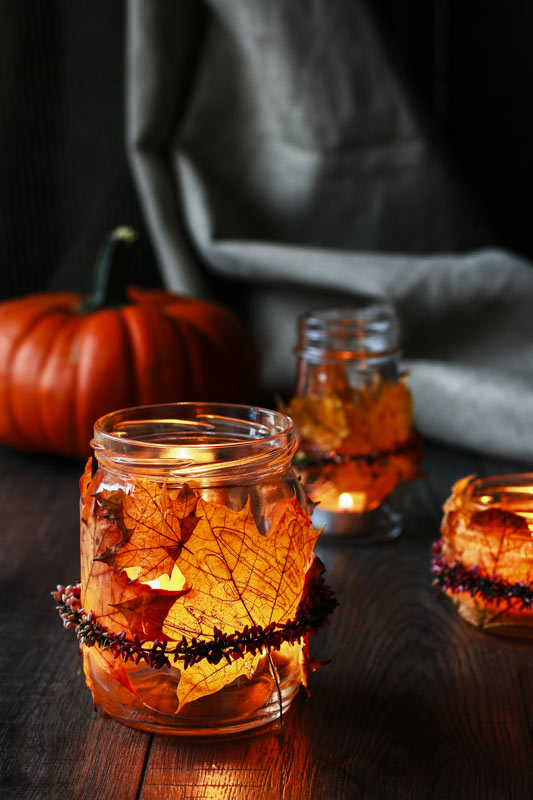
x: 66, y: 360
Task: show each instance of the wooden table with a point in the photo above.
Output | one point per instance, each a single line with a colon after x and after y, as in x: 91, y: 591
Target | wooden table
x: 414, y: 704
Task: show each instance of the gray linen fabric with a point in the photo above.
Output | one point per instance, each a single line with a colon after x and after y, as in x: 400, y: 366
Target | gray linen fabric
x: 274, y: 143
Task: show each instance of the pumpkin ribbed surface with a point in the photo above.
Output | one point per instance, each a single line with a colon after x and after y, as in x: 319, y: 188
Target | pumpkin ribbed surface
x: 61, y: 368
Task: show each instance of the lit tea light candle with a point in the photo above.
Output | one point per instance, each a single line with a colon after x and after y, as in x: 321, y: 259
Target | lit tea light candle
x: 346, y: 514
x: 484, y: 559
x: 352, y: 501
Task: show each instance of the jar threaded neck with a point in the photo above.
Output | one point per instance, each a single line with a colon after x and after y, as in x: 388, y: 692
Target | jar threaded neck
x: 197, y: 443
x: 368, y: 331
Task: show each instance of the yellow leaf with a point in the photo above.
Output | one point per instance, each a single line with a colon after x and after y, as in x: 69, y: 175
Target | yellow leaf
x: 238, y: 578
x: 203, y: 678
x: 320, y: 420
x: 155, y: 523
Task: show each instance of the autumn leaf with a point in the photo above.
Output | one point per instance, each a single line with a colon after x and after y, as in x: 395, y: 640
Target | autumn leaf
x: 321, y: 420
x: 112, y: 667
x: 116, y: 600
x: 145, y: 611
x: 501, y: 520
x: 238, y: 578
x: 156, y: 525
x: 376, y: 418
x: 204, y: 678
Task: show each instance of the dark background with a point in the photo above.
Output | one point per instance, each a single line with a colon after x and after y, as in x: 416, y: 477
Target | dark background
x: 65, y: 179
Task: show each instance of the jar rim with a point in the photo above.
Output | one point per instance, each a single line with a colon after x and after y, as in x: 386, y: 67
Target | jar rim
x: 365, y: 330
x: 195, y: 440
x: 513, y: 492
x: 359, y: 315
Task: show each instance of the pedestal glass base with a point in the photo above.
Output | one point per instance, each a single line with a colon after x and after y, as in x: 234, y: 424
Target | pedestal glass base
x: 380, y: 525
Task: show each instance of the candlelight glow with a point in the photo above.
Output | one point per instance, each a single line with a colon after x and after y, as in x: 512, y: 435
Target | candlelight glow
x: 352, y: 501
x: 346, y: 502
x: 173, y: 583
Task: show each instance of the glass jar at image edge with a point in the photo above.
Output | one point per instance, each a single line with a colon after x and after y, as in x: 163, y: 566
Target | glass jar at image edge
x: 354, y: 414
x: 184, y: 495
x: 484, y: 559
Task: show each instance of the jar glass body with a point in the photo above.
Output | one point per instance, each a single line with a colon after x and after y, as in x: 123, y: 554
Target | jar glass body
x: 157, y: 467
x: 353, y: 410
x: 484, y: 559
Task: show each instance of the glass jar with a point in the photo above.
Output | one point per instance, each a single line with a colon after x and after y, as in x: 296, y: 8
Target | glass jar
x: 194, y: 538
x: 484, y: 559
x: 354, y: 414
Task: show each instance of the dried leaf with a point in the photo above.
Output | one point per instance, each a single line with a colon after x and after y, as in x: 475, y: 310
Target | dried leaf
x: 380, y: 420
x: 146, y: 610
x: 321, y: 421
x: 239, y: 578
x: 376, y: 418
x: 204, y: 678
x: 108, y: 592
x: 113, y: 667
x: 156, y: 525
x: 500, y: 520
x: 496, y: 540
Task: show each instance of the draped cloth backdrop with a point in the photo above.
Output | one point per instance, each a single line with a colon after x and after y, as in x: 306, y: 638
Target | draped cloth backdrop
x: 277, y: 145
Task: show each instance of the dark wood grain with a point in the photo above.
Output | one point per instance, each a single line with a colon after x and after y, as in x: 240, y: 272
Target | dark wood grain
x: 414, y: 703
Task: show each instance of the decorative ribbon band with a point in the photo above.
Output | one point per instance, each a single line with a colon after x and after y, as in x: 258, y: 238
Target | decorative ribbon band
x: 311, y: 614
x: 413, y: 446
x: 458, y: 578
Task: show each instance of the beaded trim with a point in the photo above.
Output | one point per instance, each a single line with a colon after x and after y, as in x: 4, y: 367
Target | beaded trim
x: 311, y: 614
x: 412, y: 447
x: 459, y: 579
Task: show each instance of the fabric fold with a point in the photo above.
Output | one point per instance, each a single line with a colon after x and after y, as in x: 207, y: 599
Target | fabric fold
x: 277, y: 146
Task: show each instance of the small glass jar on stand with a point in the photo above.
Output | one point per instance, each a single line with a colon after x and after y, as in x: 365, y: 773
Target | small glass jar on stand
x: 354, y: 414
x: 199, y: 585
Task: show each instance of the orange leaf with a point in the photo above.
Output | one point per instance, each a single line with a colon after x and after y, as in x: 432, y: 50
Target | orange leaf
x: 238, y: 578
x: 146, y: 610
x: 203, y: 678
x: 156, y: 525
x: 321, y: 421
x: 114, y: 599
x: 376, y: 418
x: 112, y: 667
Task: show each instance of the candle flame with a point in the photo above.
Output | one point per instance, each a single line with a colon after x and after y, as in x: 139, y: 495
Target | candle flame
x: 352, y: 501
x: 346, y: 501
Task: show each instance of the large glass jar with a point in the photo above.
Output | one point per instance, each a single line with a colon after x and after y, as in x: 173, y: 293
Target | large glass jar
x: 194, y: 538
x: 354, y: 414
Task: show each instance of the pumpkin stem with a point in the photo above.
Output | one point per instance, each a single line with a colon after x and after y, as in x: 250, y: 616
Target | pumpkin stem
x: 109, y: 271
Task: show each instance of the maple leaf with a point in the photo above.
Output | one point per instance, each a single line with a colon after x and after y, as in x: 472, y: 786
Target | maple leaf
x: 204, y: 678
x: 321, y: 420
x: 156, y: 525
x: 112, y: 667
x: 380, y: 419
x: 145, y: 610
x: 116, y: 600
x: 238, y: 578
x: 375, y: 418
